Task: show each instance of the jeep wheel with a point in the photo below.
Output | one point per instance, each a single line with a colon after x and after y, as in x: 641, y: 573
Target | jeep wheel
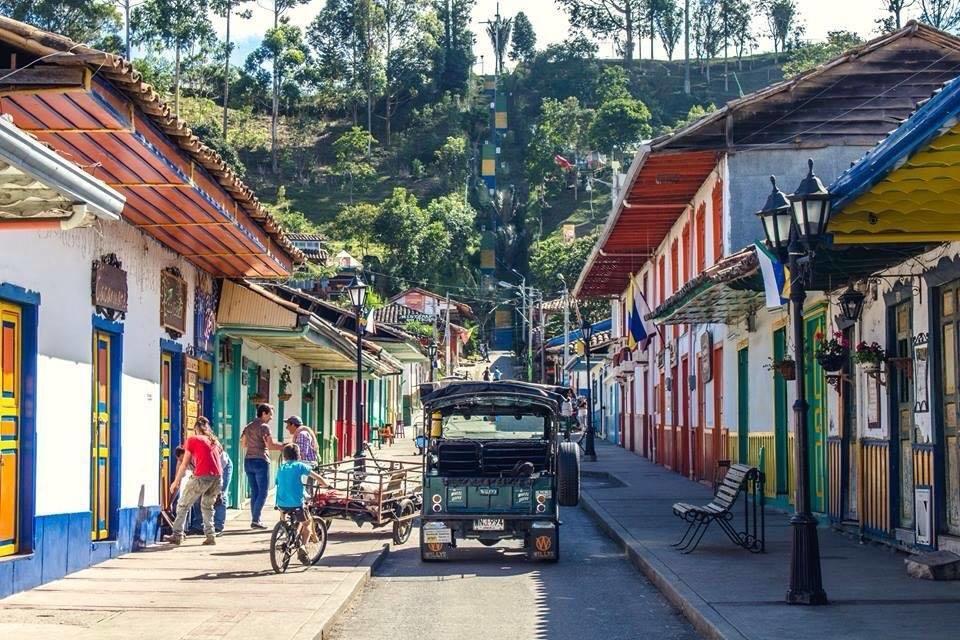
x: 568, y: 475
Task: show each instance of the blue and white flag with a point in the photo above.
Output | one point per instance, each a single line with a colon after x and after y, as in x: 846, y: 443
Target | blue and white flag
x: 776, y: 277
x: 641, y: 329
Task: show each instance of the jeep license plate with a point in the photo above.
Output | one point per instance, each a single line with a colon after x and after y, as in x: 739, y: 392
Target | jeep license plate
x: 488, y: 524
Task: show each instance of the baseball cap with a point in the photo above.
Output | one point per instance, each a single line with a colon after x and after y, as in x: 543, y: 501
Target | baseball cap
x: 295, y: 421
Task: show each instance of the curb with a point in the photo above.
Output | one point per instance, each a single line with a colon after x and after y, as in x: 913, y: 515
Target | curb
x: 348, y: 590
x: 704, y: 618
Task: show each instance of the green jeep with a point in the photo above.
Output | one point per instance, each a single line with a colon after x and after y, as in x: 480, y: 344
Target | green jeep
x: 495, y: 467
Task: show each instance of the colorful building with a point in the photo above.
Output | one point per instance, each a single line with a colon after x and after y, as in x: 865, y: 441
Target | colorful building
x: 117, y: 224
x: 683, y: 230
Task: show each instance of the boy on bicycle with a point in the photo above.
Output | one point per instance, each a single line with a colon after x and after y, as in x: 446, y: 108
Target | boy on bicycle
x: 290, y: 489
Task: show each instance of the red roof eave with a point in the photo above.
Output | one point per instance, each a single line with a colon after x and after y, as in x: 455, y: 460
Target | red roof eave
x: 660, y: 185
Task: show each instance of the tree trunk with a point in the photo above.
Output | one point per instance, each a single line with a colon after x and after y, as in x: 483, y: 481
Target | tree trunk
x: 226, y: 71
x: 176, y: 82
x: 387, y: 116
x: 628, y: 45
x: 726, y: 59
x: 275, y: 112
x: 126, y: 22
x: 686, y: 46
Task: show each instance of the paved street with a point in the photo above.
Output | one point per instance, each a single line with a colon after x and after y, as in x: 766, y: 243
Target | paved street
x: 593, y: 592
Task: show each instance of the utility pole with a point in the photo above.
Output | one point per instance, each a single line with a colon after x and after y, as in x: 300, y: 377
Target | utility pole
x: 226, y: 68
x: 566, y: 331
x: 543, y: 342
x: 530, y: 338
x: 126, y: 22
x: 446, y: 337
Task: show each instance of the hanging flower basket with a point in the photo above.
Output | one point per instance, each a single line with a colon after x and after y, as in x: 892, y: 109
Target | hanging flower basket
x: 256, y: 398
x: 832, y: 354
x: 870, y: 357
x: 832, y: 362
x: 308, y: 397
x: 787, y: 369
x: 284, y: 396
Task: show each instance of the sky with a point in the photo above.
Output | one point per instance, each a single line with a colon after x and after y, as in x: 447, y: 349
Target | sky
x: 550, y: 22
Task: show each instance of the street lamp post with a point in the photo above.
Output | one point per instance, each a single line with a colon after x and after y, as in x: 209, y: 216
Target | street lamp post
x: 432, y: 350
x: 358, y: 295
x: 795, y: 238
x: 589, y: 450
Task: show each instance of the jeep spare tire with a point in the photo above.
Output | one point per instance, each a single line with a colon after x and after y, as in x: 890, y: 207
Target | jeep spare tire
x: 568, y: 475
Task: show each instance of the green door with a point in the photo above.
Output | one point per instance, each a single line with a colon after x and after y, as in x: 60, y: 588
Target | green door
x: 816, y: 424
x: 743, y: 402
x: 780, y: 412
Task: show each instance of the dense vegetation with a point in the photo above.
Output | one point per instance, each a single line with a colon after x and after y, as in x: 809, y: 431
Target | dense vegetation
x: 368, y: 123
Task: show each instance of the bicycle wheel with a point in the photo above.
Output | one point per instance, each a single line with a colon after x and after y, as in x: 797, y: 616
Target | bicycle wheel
x: 314, y: 548
x: 281, y: 546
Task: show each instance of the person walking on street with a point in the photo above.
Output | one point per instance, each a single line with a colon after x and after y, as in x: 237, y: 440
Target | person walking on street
x: 204, y: 452
x: 566, y: 410
x: 582, y: 413
x: 486, y: 374
x: 496, y: 373
x: 220, y: 506
x: 258, y: 441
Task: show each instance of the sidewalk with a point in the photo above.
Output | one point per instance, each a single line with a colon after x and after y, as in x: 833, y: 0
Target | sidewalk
x: 729, y: 593
x: 227, y: 592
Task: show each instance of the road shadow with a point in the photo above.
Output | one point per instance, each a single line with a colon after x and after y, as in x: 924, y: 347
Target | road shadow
x: 232, y: 575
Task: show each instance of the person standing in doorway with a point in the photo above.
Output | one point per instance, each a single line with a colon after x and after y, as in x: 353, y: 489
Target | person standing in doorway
x: 204, y: 452
x: 258, y: 441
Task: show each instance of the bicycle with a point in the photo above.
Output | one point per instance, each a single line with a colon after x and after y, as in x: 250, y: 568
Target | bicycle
x: 286, y: 541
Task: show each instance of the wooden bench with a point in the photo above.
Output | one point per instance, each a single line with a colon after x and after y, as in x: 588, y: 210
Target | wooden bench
x: 740, y: 478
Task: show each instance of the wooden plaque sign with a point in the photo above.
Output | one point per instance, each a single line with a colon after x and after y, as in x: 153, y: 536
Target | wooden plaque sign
x: 109, y: 287
x: 173, y: 302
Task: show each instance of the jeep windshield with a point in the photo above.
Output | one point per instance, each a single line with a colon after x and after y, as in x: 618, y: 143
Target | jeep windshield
x: 493, y: 426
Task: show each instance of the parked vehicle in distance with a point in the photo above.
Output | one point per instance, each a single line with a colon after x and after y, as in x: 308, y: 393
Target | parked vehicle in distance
x: 495, y: 467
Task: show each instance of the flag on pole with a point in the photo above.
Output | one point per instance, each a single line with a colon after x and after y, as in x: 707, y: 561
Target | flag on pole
x: 641, y: 329
x: 370, y: 326
x: 776, y: 277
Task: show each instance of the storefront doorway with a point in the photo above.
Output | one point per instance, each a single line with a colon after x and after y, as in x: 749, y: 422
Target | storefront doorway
x: 10, y: 406
x: 815, y: 323
x: 105, y: 429
x: 949, y: 329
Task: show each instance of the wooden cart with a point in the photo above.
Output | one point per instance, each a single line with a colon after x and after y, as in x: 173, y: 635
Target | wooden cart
x: 371, y: 491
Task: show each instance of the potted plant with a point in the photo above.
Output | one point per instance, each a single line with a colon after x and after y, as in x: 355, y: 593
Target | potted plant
x: 285, y: 380
x: 256, y: 398
x: 870, y: 356
x: 832, y: 353
x: 787, y: 368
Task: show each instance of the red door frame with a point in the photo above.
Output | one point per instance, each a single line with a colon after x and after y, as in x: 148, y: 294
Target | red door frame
x: 718, y: 453
x: 685, y: 413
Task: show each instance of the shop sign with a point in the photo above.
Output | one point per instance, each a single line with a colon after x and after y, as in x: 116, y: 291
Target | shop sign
x: 706, y: 351
x: 109, y: 287
x: 173, y: 302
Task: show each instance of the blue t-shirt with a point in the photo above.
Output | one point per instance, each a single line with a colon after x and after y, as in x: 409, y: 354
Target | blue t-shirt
x: 290, y: 483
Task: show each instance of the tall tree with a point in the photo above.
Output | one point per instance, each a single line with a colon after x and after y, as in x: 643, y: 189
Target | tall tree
x: 455, y: 54
x: 498, y: 30
x: 686, y: 47
x: 783, y: 21
x: 670, y: 26
x: 226, y: 9
x: 176, y: 25
x: 280, y: 7
x: 523, y: 44
x: 286, y: 52
x: 336, y: 36
x: 620, y: 125
x: 707, y: 32
x: 739, y: 28
x: 616, y: 19
x: 735, y: 18
x: 87, y: 21
x: 894, y: 8
x: 409, y: 46
x: 942, y: 14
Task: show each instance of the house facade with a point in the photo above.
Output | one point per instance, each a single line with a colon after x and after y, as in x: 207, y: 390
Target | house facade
x: 682, y: 234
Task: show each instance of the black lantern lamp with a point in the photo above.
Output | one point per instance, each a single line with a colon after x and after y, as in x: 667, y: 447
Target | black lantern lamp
x: 851, y: 303
x: 586, y: 330
x: 358, y: 291
x: 811, y: 207
x: 776, y: 218
x: 432, y: 351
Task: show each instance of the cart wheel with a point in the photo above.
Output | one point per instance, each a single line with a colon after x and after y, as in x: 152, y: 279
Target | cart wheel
x: 281, y: 547
x: 401, y: 530
x: 314, y: 549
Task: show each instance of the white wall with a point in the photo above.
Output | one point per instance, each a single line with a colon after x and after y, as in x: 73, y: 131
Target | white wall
x: 58, y: 265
